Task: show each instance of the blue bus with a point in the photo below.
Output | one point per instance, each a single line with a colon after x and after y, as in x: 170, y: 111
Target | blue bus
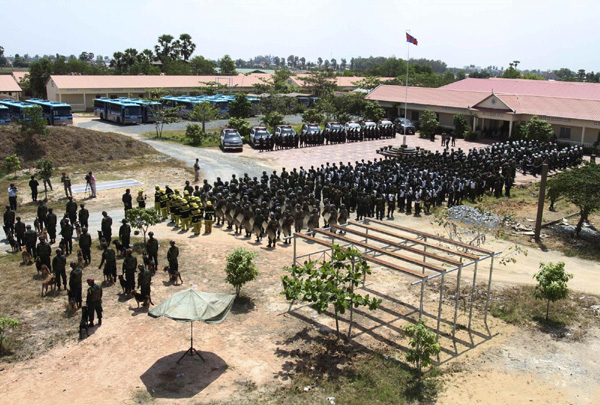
x: 15, y: 109
x: 185, y: 103
x: 56, y: 113
x: 220, y: 101
x: 147, y: 106
x: 4, y: 115
x: 121, y: 112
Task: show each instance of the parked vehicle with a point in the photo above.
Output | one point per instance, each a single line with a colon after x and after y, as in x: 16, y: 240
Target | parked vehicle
x: 231, y: 140
x: 404, y: 123
x: 55, y: 113
x: 257, y: 134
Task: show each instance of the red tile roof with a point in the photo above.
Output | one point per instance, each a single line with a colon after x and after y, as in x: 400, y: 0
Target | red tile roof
x: 8, y: 84
x: 64, y: 82
x: 341, y: 81
x: 571, y: 108
x: 587, y: 91
x: 19, y: 76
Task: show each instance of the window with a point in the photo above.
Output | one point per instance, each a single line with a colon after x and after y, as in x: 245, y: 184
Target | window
x: 415, y: 116
x: 565, y: 133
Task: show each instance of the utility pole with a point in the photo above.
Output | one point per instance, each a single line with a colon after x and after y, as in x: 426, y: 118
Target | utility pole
x: 540, y: 211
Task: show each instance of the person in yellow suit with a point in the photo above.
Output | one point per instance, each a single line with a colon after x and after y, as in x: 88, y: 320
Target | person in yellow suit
x: 209, y: 214
x: 185, y: 215
x: 196, y: 219
x: 164, y: 204
x: 157, y: 195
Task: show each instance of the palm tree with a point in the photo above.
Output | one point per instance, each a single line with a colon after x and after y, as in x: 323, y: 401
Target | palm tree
x: 187, y: 46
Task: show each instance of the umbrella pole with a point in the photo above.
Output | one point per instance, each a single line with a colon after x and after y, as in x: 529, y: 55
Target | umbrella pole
x: 191, y: 351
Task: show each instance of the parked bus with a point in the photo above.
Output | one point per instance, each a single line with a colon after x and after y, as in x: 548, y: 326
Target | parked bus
x: 55, y: 113
x: 185, y: 103
x: 146, y: 105
x: 15, y: 108
x: 4, y: 115
x: 121, y: 112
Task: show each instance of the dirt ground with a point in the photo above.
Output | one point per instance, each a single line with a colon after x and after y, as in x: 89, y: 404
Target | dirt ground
x: 131, y: 358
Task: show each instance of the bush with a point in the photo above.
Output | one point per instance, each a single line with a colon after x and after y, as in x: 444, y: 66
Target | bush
x: 428, y: 123
x: 460, y: 125
x: 240, y: 268
x: 312, y: 115
x: 194, y: 133
x: 469, y: 135
x: 12, y: 164
x: 242, y: 126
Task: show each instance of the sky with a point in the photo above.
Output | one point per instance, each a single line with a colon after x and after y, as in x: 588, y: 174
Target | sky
x: 542, y: 34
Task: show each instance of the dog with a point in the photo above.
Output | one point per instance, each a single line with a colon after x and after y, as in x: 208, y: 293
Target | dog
x: 44, y: 270
x: 77, y: 228
x: 144, y: 299
x: 38, y: 265
x: 80, y: 261
x: 173, y: 275
x: 44, y: 234
x: 14, y: 246
x: 119, y: 246
x: 27, y: 259
x: 37, y: 225
x: 63, y: 246
x: 83, y: 324
x: 123, y: 283
x: 50, y: 281
x: 149, y: 263
x: 72, y: 302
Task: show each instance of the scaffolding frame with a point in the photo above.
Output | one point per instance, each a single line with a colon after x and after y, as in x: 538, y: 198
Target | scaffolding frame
x: 391, y: 247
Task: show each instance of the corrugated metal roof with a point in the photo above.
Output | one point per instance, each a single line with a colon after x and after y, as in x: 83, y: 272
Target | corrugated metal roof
x: 341, y: 81
x: 8, y: 84
x: 64, y: 82
x: 588, y: 91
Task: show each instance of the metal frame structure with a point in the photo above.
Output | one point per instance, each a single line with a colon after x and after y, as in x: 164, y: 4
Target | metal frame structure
x: 392, y: 243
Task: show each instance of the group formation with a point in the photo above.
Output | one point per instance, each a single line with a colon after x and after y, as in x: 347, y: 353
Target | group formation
x: 315, y: 136
x: 274, y: 204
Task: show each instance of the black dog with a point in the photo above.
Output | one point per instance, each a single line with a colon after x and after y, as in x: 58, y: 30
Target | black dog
x: 83, y: 325
x: 123, y: 283
x: 119, y: 246
x: 12, y: 242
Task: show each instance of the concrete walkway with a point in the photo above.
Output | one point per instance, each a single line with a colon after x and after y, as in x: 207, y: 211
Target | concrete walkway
x: 106, y: 185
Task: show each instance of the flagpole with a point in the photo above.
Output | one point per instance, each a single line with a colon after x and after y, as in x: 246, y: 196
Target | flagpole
x: 406, y: 90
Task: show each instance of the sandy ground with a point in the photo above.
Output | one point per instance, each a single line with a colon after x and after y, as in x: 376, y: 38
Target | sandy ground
x: 132, y: 356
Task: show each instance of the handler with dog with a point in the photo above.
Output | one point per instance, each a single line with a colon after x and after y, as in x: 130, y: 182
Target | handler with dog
x: 94, y: 301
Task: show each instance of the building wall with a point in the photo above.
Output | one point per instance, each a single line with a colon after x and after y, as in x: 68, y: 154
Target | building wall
x: 13, y: 95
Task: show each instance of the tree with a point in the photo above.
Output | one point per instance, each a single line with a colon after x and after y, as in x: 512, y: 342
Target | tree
x: 187, y: 47
x: 319, y: 61
x: 39, y: 73
x: 201, y: 66
x: 163, y: 116
x: 460, y: 125
x: 312, y: 115
x: 511, y: 73
x: 272, y: 119
x: 45, y: 168
x: 204, y: 112
x: 428, y: 123
x: 343, y: 64
x: 538, y: 130
x: 552, y: 283
x: 142, y: 219
x: 240, y: 268
x: 333, y: 283
x: 373, y: 111
x: 579, y: 186
x: 242, y: 126
x: 34, y: 122
x: 368, y: 83
x: 164, y: 48
x: 5, y: 325
x: 12, y: 164
x: 423, y: 345
x: 460, y: 75
x: 240, y: 106
x: 321, y: 83
x: 194, y: 133
x: 227, y: 66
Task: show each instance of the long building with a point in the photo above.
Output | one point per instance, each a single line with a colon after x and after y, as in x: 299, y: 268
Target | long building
x: 495, y: 106
x: 80, y: 91
x: 9, y: 88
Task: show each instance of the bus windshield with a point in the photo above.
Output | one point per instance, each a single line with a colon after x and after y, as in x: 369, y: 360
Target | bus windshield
x: 133, y: 111
x: 61, y: 111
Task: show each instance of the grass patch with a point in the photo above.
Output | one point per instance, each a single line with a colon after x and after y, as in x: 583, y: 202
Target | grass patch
x: 211, y: 140
x: 570, y: 317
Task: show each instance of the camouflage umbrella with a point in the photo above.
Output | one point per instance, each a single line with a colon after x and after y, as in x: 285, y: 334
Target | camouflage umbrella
x: 192, y: 305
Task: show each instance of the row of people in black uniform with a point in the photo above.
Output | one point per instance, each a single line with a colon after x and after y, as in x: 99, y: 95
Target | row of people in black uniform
x: 325, y: 137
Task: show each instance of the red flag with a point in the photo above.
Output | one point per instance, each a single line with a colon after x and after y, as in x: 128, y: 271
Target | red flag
x: 411, y: 39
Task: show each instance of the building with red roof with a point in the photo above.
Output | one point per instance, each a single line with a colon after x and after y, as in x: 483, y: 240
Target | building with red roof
x: 495, y: 106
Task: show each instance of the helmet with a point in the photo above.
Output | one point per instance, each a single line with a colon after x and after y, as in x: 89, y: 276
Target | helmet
x: 209, y: 204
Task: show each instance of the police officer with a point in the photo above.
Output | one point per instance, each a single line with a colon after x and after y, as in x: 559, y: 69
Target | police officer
x: 94, y: 301
x: 127, y: 200
x: 125, y: 234
x: 84, y: 216
x: 59, y: 264
x: 144, y: 280
x: 44, y: 251
x: 66, y: 181
x: 152, y: 248
x: 75, y: 283
x: 20, y: 232
x: 106, y: 226
x: 109, y: 260
x: 42, y: 213
x: 9, y: 220
x: 85, y: 244
x: 172, y: 257
x: 71, y: 210
x: 67, y: 233
x: 51, y: 221
x: 33, y: 185
x: 30, y: 238
x: 129, y: 268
